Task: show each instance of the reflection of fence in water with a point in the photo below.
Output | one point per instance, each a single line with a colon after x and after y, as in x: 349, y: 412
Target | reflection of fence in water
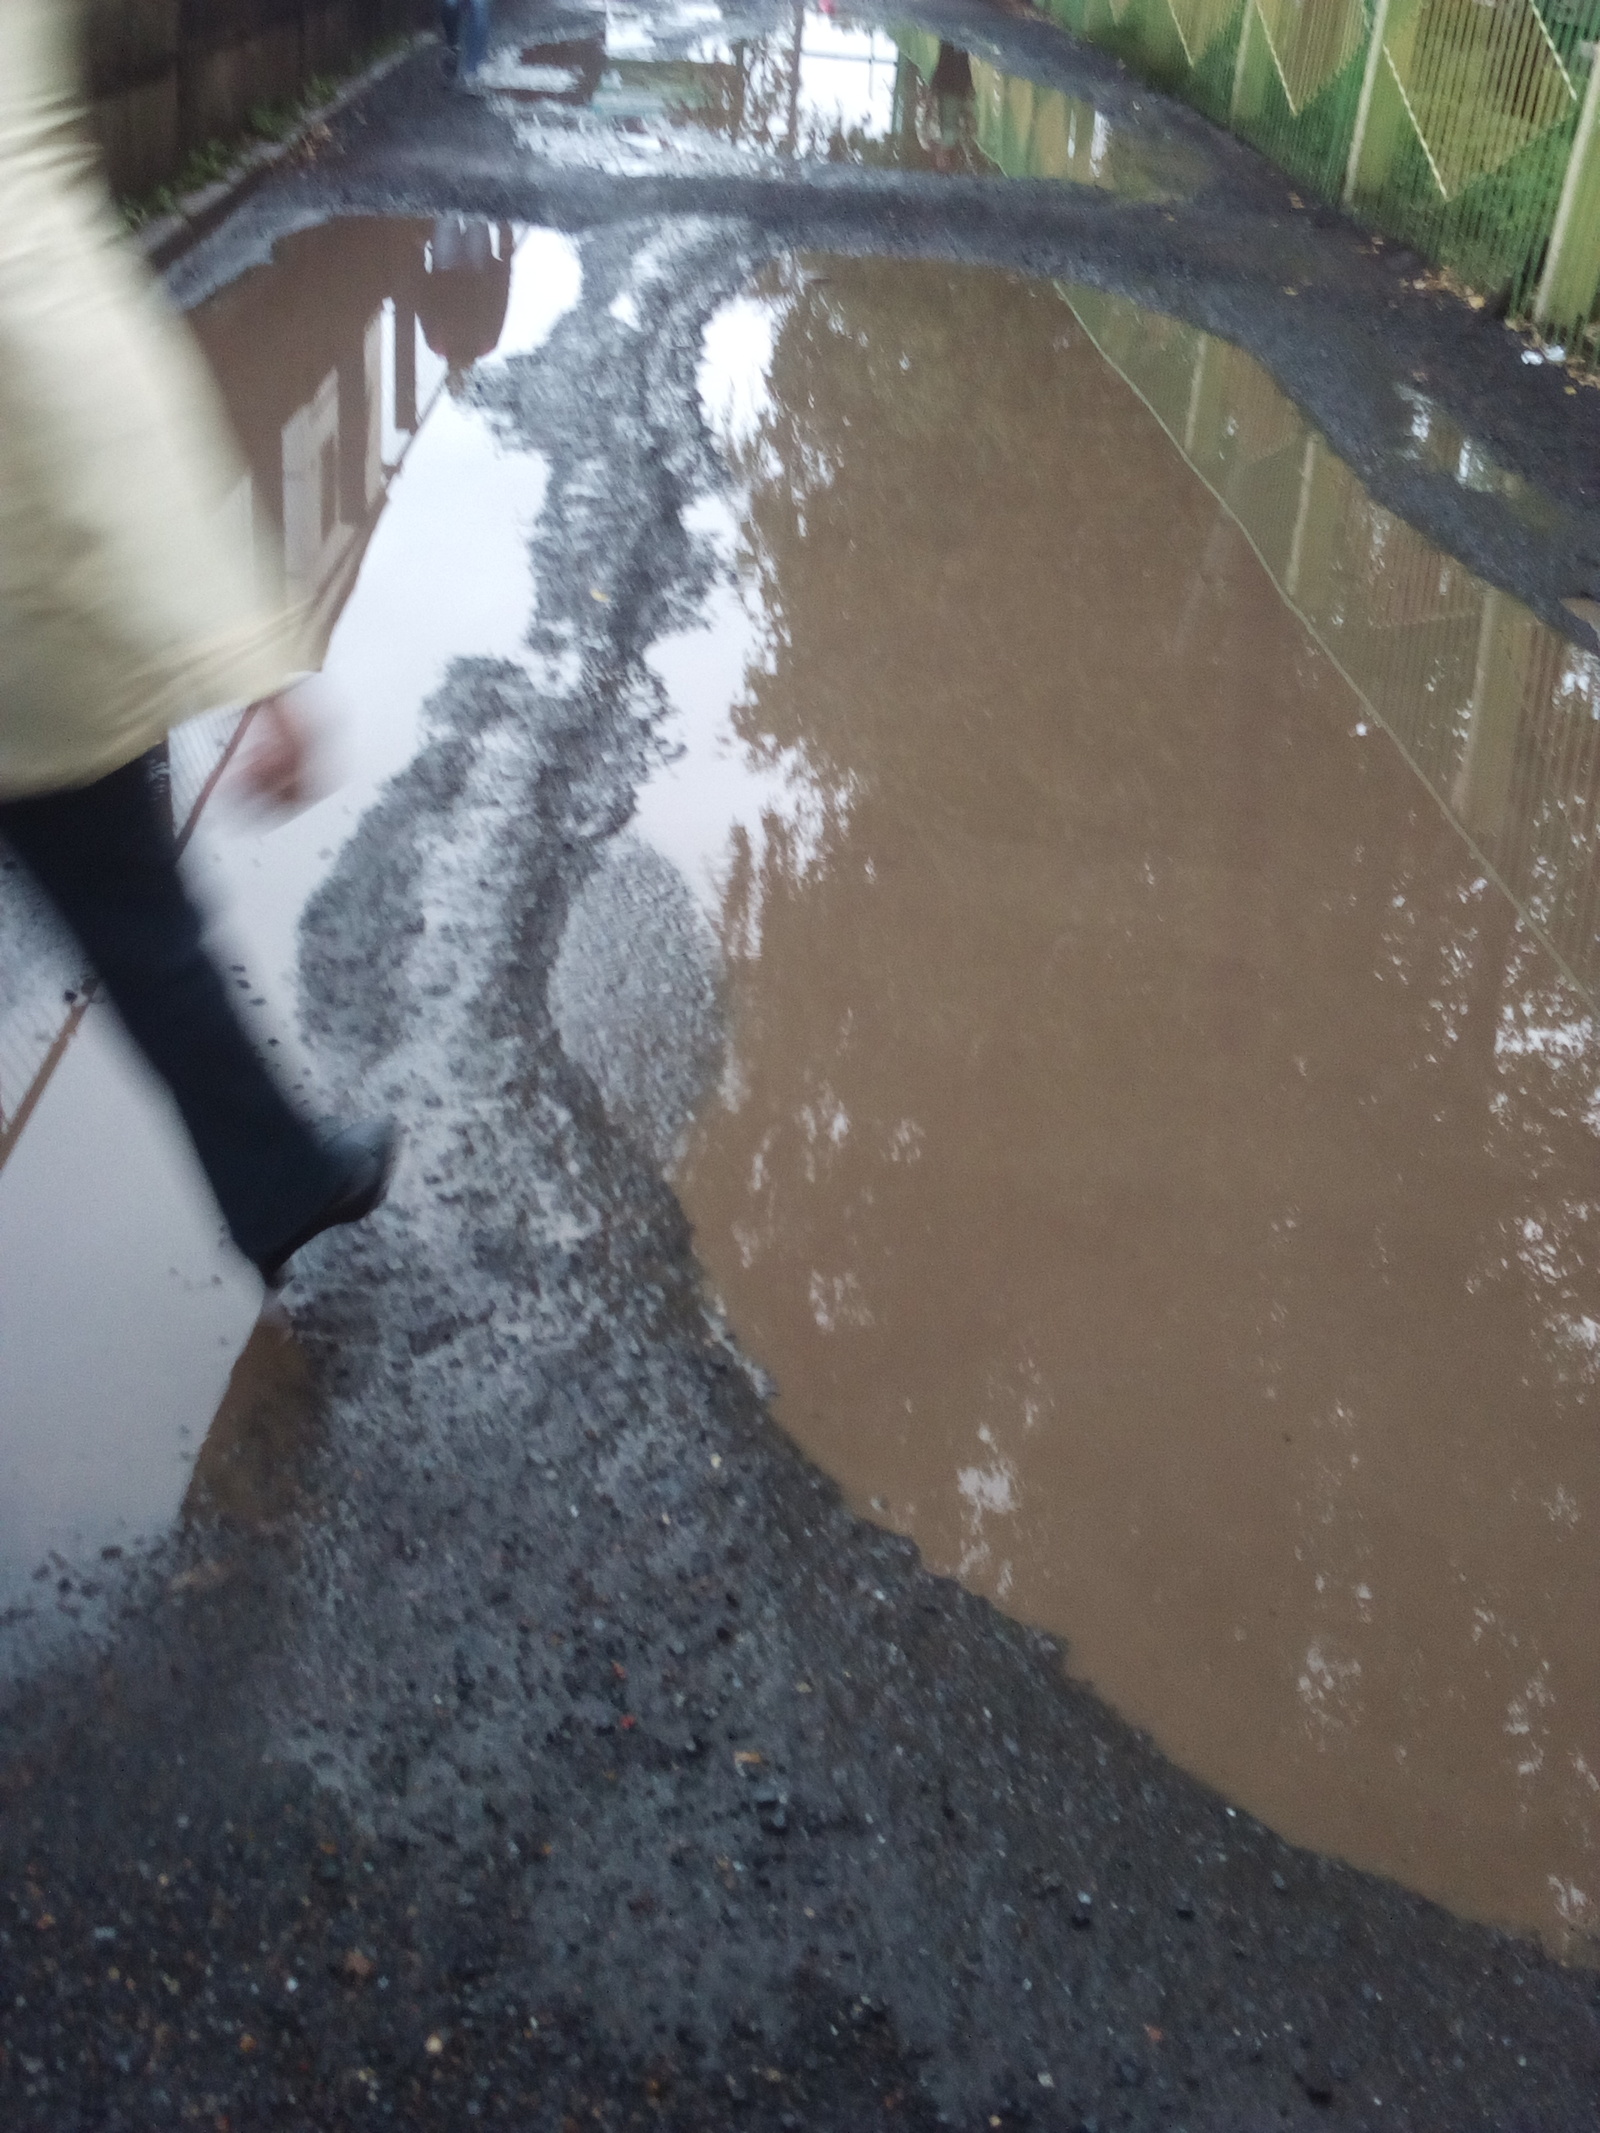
x: 36, y: 1021
x: 1498, y: 714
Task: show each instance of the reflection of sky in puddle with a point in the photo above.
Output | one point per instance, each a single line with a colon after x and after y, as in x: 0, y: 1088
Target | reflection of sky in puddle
x: 816, y: 86
x: 105, y: 1407
x: 1154, y: 1170
x: 727, y: 808
x: 832, y: 91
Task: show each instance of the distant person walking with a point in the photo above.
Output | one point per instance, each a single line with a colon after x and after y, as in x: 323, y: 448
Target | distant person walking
x: 127, y: 605
x: 464, y: 25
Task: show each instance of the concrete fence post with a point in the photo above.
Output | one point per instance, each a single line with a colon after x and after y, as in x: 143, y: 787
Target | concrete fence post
x: 1369, y: 82
x: 1571, y: 278
x: 1252, y: 62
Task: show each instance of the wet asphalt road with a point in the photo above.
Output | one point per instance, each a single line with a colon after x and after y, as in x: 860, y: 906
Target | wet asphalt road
x: 564, y: 1754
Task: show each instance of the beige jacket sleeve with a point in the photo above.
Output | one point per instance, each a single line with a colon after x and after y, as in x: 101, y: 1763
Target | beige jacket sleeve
x: 128, y: 591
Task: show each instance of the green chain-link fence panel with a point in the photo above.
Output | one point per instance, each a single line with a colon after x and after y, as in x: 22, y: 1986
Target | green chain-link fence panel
x: 1468, y: 128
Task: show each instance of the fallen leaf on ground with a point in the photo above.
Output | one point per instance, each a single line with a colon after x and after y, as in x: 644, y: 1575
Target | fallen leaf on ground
x: 202, y: 1578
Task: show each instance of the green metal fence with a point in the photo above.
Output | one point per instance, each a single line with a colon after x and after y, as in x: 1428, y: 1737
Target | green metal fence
x: 1469, y: 129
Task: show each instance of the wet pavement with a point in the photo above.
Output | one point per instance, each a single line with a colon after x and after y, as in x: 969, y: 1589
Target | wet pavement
x: 927, y: 860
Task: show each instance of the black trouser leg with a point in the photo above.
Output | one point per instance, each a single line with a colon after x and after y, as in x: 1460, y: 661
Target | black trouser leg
x: 104, y: 855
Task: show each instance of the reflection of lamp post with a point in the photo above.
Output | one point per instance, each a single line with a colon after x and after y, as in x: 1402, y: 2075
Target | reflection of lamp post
x: 791, y: 139
x: 741, y: 67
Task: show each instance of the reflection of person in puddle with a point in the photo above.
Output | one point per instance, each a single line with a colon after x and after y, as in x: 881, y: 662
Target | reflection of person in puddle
x: 127, y: 604
x: 464, y: 26
x: 955, y: 103
x: 463, y: 291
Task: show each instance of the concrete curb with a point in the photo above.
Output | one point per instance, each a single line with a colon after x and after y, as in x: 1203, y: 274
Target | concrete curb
x: 199, y: 212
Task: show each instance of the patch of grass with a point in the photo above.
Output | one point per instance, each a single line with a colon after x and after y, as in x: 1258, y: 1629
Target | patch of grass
x: 272, y: 121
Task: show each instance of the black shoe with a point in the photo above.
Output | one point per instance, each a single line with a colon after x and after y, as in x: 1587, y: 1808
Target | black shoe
x: 365, y: 1153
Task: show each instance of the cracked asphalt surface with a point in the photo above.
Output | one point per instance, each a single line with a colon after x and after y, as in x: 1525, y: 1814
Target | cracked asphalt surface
x: 568, y: 1754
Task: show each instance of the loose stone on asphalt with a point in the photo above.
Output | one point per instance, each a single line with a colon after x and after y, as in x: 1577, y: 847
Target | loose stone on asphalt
x: 560, y: 1750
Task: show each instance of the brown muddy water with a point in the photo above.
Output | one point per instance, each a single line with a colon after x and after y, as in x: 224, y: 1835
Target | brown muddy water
x: 1155, y: 1154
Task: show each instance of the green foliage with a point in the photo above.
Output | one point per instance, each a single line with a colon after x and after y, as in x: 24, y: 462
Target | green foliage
x: 1493, y: 232
x: 273, y: 119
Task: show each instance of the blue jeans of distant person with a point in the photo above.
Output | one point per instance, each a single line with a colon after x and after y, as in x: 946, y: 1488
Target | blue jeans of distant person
x: 106, y: 857
x: 465, y: 24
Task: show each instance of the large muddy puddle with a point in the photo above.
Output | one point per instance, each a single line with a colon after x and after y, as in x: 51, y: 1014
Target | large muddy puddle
x: 1135, y: 1087
x: 1155, y: 1150
x: 379, y: 495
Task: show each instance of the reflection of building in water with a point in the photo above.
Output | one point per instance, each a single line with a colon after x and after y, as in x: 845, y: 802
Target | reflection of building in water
x: 1499, y: 714
x: 329, y: 366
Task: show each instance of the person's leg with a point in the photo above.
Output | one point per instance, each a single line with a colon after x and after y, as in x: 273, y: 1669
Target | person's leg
x: 106, y: 858
x: 450, y: 31
x: 474, y: 37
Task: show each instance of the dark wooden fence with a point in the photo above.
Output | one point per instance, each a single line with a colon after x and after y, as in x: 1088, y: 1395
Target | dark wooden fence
x: 168, y: 76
